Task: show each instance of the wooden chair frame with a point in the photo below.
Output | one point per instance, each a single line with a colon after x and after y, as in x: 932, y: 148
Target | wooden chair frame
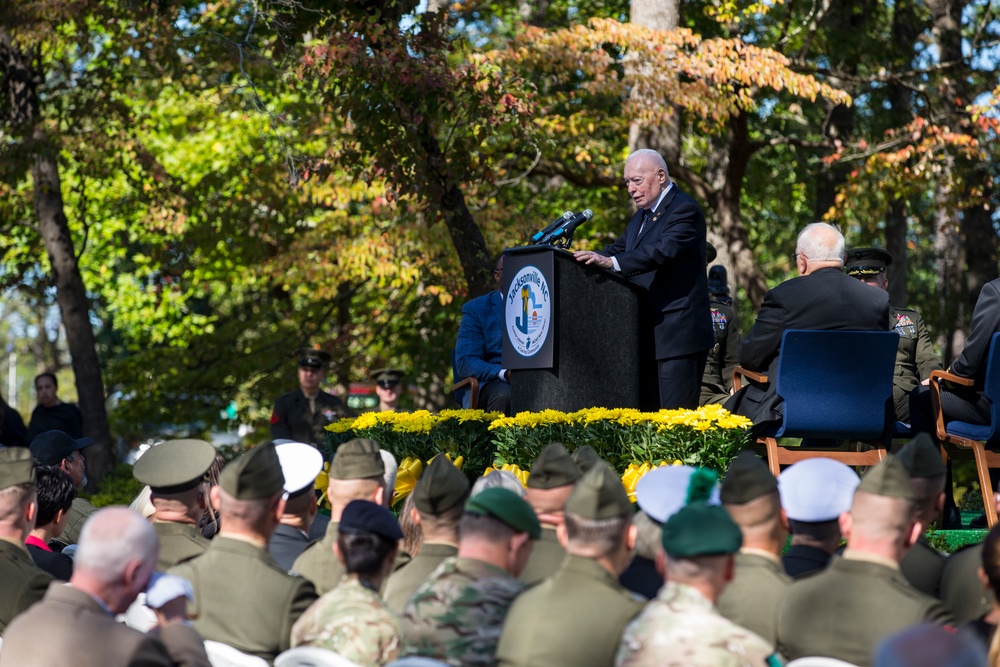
x: 473, y: 385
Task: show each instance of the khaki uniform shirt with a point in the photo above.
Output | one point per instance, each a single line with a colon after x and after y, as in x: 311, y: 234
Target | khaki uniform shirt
x: 352, y: 621
x: 178, y: 542
x: 405, y: 581
x: 844, y: 611
x: 753, y: 597
x: 22, y: 584
x: 243, y: 598
x: 457, y: 615
x: 681, y: 628
x: 575, y: 618
x: 319, y: 564
x: 546, y: 557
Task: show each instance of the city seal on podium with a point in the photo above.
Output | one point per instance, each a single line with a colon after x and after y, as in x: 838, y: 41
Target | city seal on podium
x: 528, y: 316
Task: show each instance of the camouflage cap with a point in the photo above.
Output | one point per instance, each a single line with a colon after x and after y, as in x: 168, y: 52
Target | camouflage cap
x: 922, y: 458
x: 441, y: 487
x: 357, y: 459
x: 585, y: 458
x: 748, y: 478
x: 17, y: 466
x: 599, y: 495
x: 554, y: 467
x: 888, y: 478
x: 174, y: 466
x: 254, y: 475
x: 507, y: 507
x: 700, y: 529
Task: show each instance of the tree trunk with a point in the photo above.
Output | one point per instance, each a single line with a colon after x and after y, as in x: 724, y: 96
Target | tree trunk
x: 666, y: 139
x: 895, y: 243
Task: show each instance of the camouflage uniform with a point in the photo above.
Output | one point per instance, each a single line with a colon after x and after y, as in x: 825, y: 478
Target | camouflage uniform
x: 681, y: 627
x: 457, y: 615
x: 352, y: 621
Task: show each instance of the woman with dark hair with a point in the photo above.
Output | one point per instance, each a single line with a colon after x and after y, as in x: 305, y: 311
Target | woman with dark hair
x: 12, y: 430
x: 985, y: 628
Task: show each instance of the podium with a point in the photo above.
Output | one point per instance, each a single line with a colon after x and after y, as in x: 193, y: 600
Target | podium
x: 575, y: 336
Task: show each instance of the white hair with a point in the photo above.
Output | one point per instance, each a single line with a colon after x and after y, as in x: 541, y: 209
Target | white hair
x: 649, y: 156
x: 502, y: 478
x: 821, y: 242
x: 391, y: 468
x: 111, y: 539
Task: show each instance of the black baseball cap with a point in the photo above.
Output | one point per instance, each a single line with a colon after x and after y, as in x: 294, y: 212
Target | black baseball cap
x: 51, y: 447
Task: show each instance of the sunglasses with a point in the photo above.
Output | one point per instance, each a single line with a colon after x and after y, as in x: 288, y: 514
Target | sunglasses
x: 388, y: 384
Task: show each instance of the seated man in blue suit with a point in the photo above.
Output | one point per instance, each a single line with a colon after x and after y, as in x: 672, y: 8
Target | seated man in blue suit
x: 479, y: 346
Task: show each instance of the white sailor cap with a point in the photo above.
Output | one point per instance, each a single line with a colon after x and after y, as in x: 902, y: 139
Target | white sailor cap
x: 663, y: 491
x: 300, y: 464
x: 817, y: 489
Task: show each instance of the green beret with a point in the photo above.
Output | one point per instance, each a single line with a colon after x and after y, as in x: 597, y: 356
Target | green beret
x: 506, y: 507
x: 17, y: 466
x: 586, y: 458
x: 554, y: 467
x: 599, y: 495
x: 748, y: 478
x: 254, y: 475
x: 888, y: 478
x: 922, y: 458
x: 441, y: 487
x: 174, y: 466
x: 700, y: 529
x: 357, y: 459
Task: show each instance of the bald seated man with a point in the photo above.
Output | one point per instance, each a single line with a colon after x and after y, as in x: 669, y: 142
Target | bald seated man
x: 74, y: 625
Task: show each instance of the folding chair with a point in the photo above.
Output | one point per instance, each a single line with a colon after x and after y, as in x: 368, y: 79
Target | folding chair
x: 224, y: 655
x: 833, y: 385
x: 312, y: 656
x: 466, y: 387
x: 964, y: 441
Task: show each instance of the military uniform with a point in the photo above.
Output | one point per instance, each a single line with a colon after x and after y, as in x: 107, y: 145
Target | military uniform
x: 554, y: 468
x: 22, y: 584
x: 862, y: 602
x: 352, y: 622
x: 574, y: 618
x: 803, y: 559
x: 286, y: 545
x: 318, y: 563
x: 915, y: 358
x: 922, y: 566
x: 546, y: 557
x: 681, y: 628
x: 961, y: 589
x: 292, y: 419
x: 79, y: 512
x: 457, y: 615
x: 753, y: 597
x: 179, y: 542
x: 717, y: 379
x: 405, y: 581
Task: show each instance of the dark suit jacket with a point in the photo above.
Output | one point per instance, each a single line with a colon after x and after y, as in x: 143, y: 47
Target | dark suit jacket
x: 985, y: 322
x: 286, y: 545
x: 292, y: 420
x: 669, y: 259
x: 826, y: 299
x: 68, y: 627
x: 801, y: 559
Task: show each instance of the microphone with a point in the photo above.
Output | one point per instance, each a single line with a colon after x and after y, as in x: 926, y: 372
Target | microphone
x: 567, y: 228
x: 552, y: 227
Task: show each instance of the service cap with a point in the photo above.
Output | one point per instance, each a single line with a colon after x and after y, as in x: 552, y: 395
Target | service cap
x: 553, y: 468
x: 663, y: 491
x: 300, y: 465
x: 816, y: 490
x: 17, y: 467
x: 922, y: 458
x: 357, y: 459
x: 586, y: 457
x: 599, y: 495
x: 175, y: 465
x: 506, y: 507
x: 387, y: 377
x: 718, y: 280
x: 51, y: 447
x: 860, y: 262
x: 748, y: 478
x: 700, y: 529
x: 312, y: 357
x: 888, y: 478
x: 254, y: 475
x: 364, y: 516
x: 441, y: 487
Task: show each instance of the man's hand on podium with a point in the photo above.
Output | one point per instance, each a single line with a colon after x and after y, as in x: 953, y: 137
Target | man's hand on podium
x: 589, y: 257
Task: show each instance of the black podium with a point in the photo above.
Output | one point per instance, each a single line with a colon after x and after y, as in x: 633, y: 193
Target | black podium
x: 575, y: 336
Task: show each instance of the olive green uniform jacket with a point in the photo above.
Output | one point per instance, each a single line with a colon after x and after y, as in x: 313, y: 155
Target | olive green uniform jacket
x: 22, y: 584
x: 178, y: 542
x: 961, y: 590
x: 844, y: 611
x: 79, y: 512
x: 915, y: 358
x: 753, y: 597
x: 717, y: 379
x: 319, y: 564
x: 546, y: 557
x: 405, y: 581
x: 922, y: 566
x: 243, y: 598
x: 575, y: 618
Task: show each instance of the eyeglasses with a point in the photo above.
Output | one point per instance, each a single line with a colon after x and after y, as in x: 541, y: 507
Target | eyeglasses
x: 388, y: 384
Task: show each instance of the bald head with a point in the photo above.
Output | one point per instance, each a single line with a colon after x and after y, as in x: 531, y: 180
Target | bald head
x: 647, y: 157
x: 819, y: 246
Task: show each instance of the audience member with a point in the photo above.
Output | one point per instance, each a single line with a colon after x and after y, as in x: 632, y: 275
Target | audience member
x: 302, y: 414
x: 55, y: 493
x: 717, y: 382
x: 923, y: 564
x: 12, y: 430
x: 58, y: 449
x: 985, y: 626
x: 478, y: 347
x: 929, y: 645
x: 553, y: 477
x: 51, y: 414
x: 300, y: 465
